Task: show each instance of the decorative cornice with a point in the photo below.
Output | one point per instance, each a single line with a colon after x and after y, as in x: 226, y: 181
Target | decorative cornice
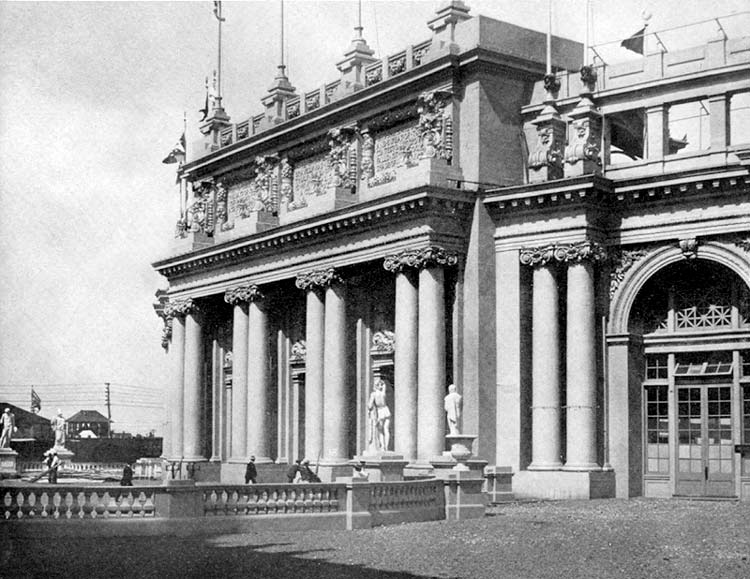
x: 383, y: 342
x: 181, y: 307
x: 321, y: 278
x: 562, y: 252
x: 243, y: 294
x: 420, y: 258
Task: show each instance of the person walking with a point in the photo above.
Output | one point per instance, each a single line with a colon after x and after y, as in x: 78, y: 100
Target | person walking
x: 54, y: 465
x: 127, y: 476
x: 251, y: 473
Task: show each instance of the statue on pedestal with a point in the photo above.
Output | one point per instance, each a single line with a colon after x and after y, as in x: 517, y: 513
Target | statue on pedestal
x: 58, y: 426
x: 453, y: 409
x: 8, y: 423
x: 380, y: 417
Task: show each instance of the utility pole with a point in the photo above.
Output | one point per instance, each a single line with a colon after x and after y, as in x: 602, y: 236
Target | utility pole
x: 109, y: 412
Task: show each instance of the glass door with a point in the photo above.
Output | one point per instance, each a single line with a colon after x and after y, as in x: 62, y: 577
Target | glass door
x: 705, y: 460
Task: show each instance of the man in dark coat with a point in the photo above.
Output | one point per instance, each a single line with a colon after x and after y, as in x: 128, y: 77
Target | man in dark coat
x: 291, y: 472
x: 127, y: 476
x: 306, y: 473
x: 251, y: 473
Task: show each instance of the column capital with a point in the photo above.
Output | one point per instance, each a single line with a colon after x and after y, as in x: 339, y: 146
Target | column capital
x: 181, y: 307
x: 243, y: 294
x: 320, y: 278
x: 562, y: 252
x: 420, y: 258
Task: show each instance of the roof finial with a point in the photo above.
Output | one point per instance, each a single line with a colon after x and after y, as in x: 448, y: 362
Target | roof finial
x: 358, y: 29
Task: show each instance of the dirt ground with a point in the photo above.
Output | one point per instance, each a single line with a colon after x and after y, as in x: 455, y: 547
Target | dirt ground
x: 568, y: 539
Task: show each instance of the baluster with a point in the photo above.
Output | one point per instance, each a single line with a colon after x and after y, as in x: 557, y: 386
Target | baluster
x: 149, y: 509
x: 142, y: 504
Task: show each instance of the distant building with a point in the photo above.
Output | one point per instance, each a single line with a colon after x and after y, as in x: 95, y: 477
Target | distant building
x: 88, y: 420
x: 572, y: 250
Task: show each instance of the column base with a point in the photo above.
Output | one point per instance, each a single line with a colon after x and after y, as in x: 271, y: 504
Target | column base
x: 330, y: 469
x: 8, y: 464
x: 560, y: 485
x: 583, y: 466
x: 545, y: 466
x: 464, y: 497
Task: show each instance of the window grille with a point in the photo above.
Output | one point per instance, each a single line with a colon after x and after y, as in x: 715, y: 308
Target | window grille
x: 705, y: 308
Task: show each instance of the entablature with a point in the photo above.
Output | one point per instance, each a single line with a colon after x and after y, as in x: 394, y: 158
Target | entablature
x: 425, y: 215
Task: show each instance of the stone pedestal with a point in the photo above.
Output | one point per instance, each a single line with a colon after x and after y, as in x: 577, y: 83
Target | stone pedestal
x: 461, y: 449
x: 8, y: 467
x: 383, y: 466
x: 499, y: 483
x: 63, y: 453
x: 464, y: 498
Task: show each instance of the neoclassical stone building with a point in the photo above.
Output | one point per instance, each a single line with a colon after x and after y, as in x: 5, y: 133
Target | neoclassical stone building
x: 451, y: 214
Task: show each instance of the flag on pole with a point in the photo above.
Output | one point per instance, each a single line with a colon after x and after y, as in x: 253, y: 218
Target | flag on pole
x: 635, y: 42
x: 177, y: 154
x: 36, y: 402
x: 204, y: 110
x: 217, y: 11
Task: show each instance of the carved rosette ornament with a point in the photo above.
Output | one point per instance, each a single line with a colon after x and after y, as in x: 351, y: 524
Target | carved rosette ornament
x: 180, y: 308
x: 420, y: 258
x: 622, y: 261
x: 340, y: 157
x: 435, y: 125
x: 317, y: 278
x: 563, y: 253
x: 243, y: 294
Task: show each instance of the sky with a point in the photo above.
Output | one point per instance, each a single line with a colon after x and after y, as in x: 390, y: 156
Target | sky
x: 92, y: 98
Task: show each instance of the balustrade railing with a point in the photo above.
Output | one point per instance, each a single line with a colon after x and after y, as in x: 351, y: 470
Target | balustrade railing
x: 273, y: 499
x: 405, y: 495
x: 76, y: 502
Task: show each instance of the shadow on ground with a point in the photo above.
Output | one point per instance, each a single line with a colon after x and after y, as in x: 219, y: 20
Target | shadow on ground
x: 171, y: 557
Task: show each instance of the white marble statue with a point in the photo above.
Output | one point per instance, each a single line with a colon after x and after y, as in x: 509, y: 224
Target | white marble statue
x: 8, y: 423
x: 380, y: 417
x: 58, y: 426
x: 453, y: 409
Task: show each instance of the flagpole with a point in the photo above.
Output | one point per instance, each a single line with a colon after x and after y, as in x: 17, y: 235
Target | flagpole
x: 586, y: 41
x: 549, y: 37
x: 218, y: 79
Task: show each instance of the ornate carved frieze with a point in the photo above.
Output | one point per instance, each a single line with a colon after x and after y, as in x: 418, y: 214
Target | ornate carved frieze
x: 252, y: 189
x: 181, y: 307
x: 420, y: 258
x: 312, y: 101
x: 243, y: 294
x: 317, y: 278
x: 287, y: 183
x: 201, y: 212
x: 562, y: 252
x: 397, y: 65
x: 435, y: 125
x: 383, y: 342
x: 299, y: 352
x: 222, y: 211
x: 395, y: 147
x: 374, y: 75
x: 341, y: 142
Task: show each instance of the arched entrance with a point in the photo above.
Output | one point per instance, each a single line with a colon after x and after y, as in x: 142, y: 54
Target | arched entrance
x: 688, y: 327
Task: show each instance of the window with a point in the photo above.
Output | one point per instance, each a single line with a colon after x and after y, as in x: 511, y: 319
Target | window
x: 626, y: 131
x: 702, y: 364
x: 745, y: 364
x: 657, y: 430
x: 739, y: 118
x: 689, y: 128
x: 656, y: 367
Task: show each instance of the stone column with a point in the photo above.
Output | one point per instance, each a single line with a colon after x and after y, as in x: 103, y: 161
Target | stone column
x: 314, y: 338
x: 192, y: 433
x: 657, y: 129
x: 405, y: 367
x: 336, y: 395
x: 238, y: 297
x: 581, y: 365
x: 176, y: 312
x: 545, y: 405
x: 258, y: 378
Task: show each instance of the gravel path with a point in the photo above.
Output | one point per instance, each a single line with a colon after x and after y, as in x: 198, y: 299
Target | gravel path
x: 568, y: 539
